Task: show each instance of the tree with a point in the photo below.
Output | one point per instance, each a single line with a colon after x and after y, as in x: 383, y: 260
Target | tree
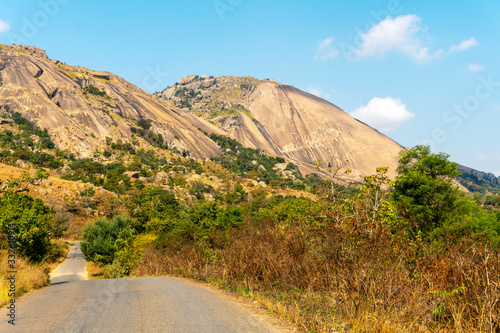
x: 99, y: 239
x: 31, y: 223
x: 424, y: 191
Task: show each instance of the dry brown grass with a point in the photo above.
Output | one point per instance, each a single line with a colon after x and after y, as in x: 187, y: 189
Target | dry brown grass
x: 357, y: 278
x: 28, y: 276
x: 95, y: 270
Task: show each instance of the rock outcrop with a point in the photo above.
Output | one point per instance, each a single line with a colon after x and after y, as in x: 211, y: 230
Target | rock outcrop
x: 285, y: 121
x: 54, y: 96
x: 487, y: 177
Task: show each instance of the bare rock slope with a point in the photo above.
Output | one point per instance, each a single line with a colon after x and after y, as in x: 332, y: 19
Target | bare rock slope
x: 285, y: 121
x: 54, y: 95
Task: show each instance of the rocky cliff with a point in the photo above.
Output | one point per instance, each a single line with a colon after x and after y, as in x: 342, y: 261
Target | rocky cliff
x: 478, y: 176
x: 81, y: 107
x: 285, y: 121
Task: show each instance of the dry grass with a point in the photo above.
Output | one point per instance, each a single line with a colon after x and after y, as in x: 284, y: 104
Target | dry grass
x: 95, y: 270
x: 28, y: 276
x: 357, y: 278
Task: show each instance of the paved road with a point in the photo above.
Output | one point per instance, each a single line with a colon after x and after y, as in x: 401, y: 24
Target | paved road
x: 152, y: 304
x: 72, y: 268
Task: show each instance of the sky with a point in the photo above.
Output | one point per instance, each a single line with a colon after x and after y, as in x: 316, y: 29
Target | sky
x: 421, y: 72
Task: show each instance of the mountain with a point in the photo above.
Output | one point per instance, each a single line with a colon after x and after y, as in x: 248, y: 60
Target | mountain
x: 285, y: 121
x: 80, y: 107
x: 478, y: 181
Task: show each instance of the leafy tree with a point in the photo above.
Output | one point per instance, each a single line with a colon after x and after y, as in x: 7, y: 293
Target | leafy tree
x: 424, y: 191
x: 30, y: 220
x: 99, y: 238
x: 152, y: 203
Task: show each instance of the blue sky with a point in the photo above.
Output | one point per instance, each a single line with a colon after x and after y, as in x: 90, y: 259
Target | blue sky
x: 421, y: 72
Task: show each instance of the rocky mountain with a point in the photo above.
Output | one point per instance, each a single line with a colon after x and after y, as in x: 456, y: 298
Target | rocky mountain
x: 80, y: 107
x: 479, y: 175
x: 285, y: 121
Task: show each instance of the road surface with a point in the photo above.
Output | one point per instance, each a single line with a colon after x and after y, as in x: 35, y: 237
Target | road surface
x: 151, y: 304
x: 72, y: 268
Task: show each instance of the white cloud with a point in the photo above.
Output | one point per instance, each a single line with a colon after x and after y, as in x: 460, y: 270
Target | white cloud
x: 384, y: 114
x: 315, y: 91
x: 497, y: 157
x: 396, y: 34
x: 497, y: 173
x: 482, y: 157
x: 4, y: 26
x: 474, y: 68
x: 464, y: 45
x: 400, y: 34
x: 325, y: 50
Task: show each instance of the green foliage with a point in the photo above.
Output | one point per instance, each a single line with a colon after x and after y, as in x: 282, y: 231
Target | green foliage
x: 41, y: 174
x: 126, y: 147
x: 152, y: 203
x: 423, y: 190
x: 199, y: 221
x: 472, y: 221
x: 25, y: 140
x: 145, y: 124
x: 126, y: 256
x: 88, y: 192
x: 199, y: 188
x: 238, y: 159
x: 100, y: 238
x: 288, y: 209
x: 30, y: 220
x: 493, y: 200
x: 110, y: 176
x: 91, y: 89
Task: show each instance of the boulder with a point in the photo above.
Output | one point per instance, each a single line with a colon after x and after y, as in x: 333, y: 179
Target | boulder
x: 208, y: 83
x: 46, y: 182
x: 187, y: 79
x: 280, y: 166
x: 262, y: 169
x: 169, y: 93
x: 132, y: 174
x: 161, y: 177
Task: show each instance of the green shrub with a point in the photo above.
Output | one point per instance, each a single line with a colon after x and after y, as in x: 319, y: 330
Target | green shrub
x: 41, y: 174
x: 30, y: 220
x: 99, y: 238
x: 91, y: 89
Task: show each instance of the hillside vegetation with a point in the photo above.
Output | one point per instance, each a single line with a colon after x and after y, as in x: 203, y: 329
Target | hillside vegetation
x: 411, y: 255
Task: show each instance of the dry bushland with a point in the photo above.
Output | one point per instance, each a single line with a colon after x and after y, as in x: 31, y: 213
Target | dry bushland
x: 356, y: 277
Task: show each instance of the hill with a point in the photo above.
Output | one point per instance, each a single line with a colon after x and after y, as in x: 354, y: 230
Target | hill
x: 285, y: 121
x: 80, y: 107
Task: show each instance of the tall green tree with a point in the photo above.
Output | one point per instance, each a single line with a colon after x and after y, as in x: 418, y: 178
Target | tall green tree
x: 30, y: 220
x: 424, y: 191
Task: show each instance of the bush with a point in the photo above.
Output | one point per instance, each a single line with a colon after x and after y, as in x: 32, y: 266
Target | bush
x: 31, y: 222
x: 41, y: 174
x: 91, y: 89
x: 99, y: 239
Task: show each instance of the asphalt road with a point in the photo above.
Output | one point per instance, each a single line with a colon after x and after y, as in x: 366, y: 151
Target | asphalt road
x: 72, y: 268
x: 151, y: 304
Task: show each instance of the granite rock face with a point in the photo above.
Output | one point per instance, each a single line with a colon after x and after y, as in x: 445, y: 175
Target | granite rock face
x: 52, y: 94
x: 287, y: 122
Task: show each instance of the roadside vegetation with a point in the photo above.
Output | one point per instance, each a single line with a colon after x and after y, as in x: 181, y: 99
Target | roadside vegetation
x: 28, y: 244
x: 411, y: 255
